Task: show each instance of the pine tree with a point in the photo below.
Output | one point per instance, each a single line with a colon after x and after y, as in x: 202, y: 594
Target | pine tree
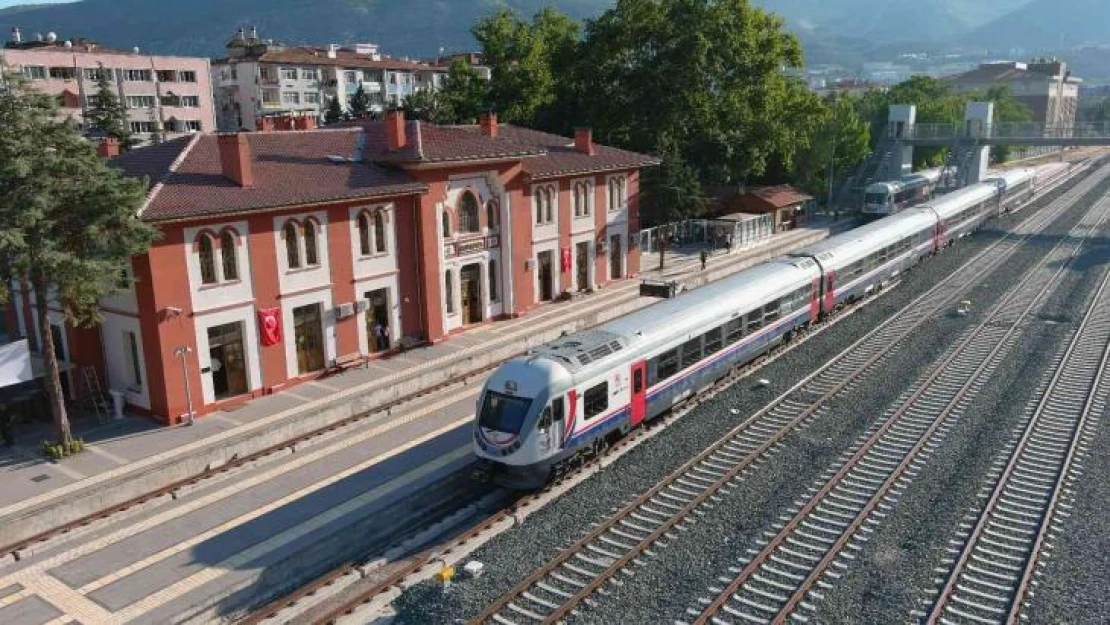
x: 70, y: 220
x: 360, y: 103
x: 334, y: 113
x: 106, y: 112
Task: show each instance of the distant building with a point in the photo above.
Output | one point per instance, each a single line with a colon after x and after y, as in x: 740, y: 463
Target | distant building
x: 171, y: 95
x: 1045, y: 85
x: 261, y: 79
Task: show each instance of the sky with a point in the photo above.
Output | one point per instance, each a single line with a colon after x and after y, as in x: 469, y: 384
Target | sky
x: 8, y: 3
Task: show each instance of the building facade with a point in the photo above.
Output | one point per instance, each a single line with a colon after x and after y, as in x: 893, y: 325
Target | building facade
x: 168, y: 96
x: 260, y: 79
x: 1046, y: 86
x: 283, y: 253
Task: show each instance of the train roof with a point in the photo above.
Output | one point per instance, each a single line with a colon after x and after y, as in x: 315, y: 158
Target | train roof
x: 1011, y: 177
x: 691, y: 312
x: 846, y: 247
x: 957, y: 201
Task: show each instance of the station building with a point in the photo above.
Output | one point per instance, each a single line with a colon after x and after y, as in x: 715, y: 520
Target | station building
x: 284, y: 254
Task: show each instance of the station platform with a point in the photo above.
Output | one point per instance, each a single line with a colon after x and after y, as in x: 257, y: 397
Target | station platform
x: 134, y: 456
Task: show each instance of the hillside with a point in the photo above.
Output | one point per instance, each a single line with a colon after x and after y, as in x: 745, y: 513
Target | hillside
x: 1048, y: 24
x: 829, y: 28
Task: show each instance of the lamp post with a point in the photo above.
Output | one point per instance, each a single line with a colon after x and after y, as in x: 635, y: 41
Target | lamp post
x: 183, y: 353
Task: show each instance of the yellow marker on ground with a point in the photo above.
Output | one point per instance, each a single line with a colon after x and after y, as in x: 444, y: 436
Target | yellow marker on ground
x: 445, y: 574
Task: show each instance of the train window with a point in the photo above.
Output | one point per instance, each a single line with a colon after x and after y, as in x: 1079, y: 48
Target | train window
x: 557, y: 410
x: 504, y: 413
x: 691, y: 352
x: 666, y: 365
x: 755, y: 320
x: 734, y: 330
x: 713, y: 341
x: 595, y: 400
x: 544, y: 423
x: 771, y: 312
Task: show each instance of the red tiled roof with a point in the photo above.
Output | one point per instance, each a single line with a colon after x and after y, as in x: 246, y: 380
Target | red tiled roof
x: 562, y: 159
x: 430, y: 143
x: 289, y: 168
x: 781, y: 196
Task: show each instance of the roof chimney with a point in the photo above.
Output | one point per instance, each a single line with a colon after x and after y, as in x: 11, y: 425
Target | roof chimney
x: 488, y: 122
x: 395, y: 129
x: 108, y: 148
x: 17, y: 37
x: 332, y: 49
x: 235, y: 158
x: 254, y: 34
x: 584, y: 140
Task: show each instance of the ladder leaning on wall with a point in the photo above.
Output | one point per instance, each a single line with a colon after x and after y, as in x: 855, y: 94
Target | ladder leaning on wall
x: 94, y: 393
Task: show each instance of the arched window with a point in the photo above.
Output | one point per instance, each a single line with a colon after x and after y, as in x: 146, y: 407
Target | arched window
x: 446, y: 225
x: 292, y: 247
x: 581, y: 199
x: 449, y: 292
x: 364, y: 234
x: 468, y: 213
x: 549, y: 202
x: 493, y: 296
x: 207, y: 260
x: 379, y: 231
x: 227, y: 255
x: 310, y: 256
x: 538, y: 201
x: 491, y: 215
x: 613, y: 194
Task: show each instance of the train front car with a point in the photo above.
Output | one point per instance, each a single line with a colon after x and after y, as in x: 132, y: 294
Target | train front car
x: 878, y: 199
x: 519, y: 414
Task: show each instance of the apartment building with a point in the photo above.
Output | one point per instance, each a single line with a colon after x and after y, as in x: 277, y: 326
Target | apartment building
x: 1046, y: 86
x: 260, y: 79
x: 162, y: 95
x: 283, y: 253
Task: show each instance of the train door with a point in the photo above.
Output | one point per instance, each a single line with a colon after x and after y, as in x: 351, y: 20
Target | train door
x: 815, y: 301
x: 639, y: 392
x: 830, y: 291
x: 550, y: 427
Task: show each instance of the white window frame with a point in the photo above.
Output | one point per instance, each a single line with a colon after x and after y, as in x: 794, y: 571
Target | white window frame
x: 288, y: 73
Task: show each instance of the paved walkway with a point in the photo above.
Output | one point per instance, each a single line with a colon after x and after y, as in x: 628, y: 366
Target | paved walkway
x: 117, y: 446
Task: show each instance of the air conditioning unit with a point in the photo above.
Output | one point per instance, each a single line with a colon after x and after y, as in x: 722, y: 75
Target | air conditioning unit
x: 344, y: 310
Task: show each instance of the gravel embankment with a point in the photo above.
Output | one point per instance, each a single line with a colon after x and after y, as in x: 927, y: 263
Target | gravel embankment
x: 682, y: 571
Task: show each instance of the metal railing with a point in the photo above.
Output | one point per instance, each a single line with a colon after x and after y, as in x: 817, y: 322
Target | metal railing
x: 1007, y: 130
x: 718, y: 234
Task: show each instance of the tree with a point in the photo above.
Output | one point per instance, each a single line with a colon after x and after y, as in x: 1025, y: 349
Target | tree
x: 1098, y: 111
x: 70, y: 221
x: 106, y: 113
x: 527, y: 61
x: 333, y: 114
x: 701, y: 80
x: 360, y: 103
x: 1006, y: 110
x: 427, y: 105
x: 937, y: 103
x: 838, y: 143
x: 464, y: 94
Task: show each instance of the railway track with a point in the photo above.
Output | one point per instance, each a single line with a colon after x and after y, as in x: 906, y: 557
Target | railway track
x: 351, y: 572
x: 785, y: 575
x: 553, y: 591
x: 992, y: 575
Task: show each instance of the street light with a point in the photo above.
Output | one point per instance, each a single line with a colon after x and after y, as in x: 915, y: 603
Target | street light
x: 183, y: 353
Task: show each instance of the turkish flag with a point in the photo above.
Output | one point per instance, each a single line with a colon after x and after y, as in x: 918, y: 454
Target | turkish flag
x: 269, y: 322
x: 566, y: 259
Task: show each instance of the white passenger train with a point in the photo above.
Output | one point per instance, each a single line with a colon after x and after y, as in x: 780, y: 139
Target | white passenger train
x: 882, y: 199
x: 583, y: 390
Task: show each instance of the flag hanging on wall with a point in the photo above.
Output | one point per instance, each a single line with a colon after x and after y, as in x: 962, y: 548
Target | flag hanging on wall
x: 269, y: 323
x: 566, y: 259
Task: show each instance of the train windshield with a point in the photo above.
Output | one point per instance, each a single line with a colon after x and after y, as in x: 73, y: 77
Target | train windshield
x: 875, y: 199
x: 504, y: 413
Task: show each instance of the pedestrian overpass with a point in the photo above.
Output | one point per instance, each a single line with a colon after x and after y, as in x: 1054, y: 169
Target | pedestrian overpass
x: 968, y: 144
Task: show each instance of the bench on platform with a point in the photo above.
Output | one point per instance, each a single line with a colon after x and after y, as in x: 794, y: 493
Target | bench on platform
x: 347, y: 361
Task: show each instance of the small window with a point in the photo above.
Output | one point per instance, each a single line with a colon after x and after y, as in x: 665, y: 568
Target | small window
x: 449, y: 292
x: 379, y: 231
x: 207, y: 260
x: 446, y: 225
x: 289, y: 73
x: 538, y: 201
x: 771, y: 312
x: 364, y: 234
x: 713, y: 342
x: 491, y: 215
x: 493, y: 290
x: 468, y: 213
x: 557, y: 410
x: 549, y: 203
x: 691, y: 352
x: 544, y: 422
x: 292, y: 247
x: 227, y: 255
x: 310, y: 256
x: 637, y: 381
x: 666, y: 365
x: 734, y: 330
x: 133, y: 351
x: 595, y: 400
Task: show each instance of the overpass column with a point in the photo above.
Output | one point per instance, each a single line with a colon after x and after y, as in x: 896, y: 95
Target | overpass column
x: 900, y: 123
x: 978, y: 117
